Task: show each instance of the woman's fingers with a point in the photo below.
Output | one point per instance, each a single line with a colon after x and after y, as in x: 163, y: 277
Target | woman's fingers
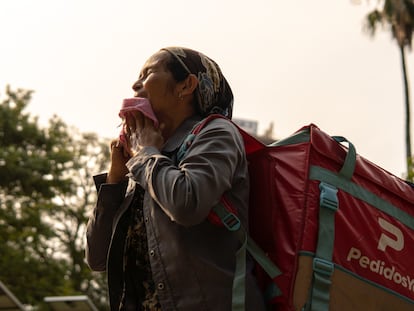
x: 137, y: 122
x: 133, y: 122
x: 140, y: 131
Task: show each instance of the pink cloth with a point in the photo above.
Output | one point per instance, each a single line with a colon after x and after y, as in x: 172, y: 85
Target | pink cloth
x: 136, y: 104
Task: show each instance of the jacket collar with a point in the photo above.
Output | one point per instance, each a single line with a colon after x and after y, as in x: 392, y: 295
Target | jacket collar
x: 176, y: 140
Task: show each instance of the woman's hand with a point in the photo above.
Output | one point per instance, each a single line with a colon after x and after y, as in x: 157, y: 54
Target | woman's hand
x: 119, y: 157
x: 140, y: 132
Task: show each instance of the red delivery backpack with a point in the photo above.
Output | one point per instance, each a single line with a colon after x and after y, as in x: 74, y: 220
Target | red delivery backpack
x: 329, y: 229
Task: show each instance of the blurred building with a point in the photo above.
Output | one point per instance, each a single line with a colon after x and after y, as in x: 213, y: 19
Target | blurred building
x: 251, y: 127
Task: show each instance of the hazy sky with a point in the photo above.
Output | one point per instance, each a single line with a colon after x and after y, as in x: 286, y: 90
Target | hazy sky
x: 289, y: 62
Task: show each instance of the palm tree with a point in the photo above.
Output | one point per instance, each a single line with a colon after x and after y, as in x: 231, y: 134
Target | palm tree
x: 398, y: 16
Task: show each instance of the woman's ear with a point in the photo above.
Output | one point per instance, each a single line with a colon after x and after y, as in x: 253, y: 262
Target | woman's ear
x: 189, y: 84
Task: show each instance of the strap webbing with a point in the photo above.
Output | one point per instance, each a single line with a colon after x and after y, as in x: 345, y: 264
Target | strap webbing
x: 322, y: 263
x: 359, y: 192
x: 239, y: 281
x: 247, y: 244
x: 328, y: 203
x: 348, y: 167
x: 261, y: 258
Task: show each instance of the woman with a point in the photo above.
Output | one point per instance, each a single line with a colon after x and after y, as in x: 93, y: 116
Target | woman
x: 149, y: 229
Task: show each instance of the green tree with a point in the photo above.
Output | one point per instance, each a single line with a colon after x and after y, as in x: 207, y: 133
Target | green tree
x: 46, y: 194
x: 31, y: 165
x: 91, y: 156
x: 398, y: 17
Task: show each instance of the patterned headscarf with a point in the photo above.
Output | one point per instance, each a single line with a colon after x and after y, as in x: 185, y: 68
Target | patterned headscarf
x: 213, y: 92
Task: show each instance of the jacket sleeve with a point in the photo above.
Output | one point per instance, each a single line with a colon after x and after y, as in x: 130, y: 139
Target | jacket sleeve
x: 100, y: 224
x: 187, y: 192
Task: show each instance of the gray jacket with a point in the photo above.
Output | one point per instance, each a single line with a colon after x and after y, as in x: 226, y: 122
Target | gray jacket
x: 192, y: 260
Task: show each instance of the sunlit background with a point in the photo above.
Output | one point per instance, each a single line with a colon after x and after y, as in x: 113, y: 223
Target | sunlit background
x: 290, y: 63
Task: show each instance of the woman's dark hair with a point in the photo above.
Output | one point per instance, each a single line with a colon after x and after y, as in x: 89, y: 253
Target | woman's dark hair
x: 178, y: 71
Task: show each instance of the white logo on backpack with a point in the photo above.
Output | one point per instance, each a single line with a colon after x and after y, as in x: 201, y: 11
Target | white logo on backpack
x: 395, y: 241
x: 392, y: 237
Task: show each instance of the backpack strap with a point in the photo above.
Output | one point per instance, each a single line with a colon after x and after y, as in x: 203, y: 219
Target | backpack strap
x: 323, y: 267
x: 212, y: 216
x: 224, y: 214
x: 232, y: 223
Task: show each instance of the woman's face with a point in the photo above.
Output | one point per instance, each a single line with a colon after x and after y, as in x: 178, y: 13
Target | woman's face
x: 156, y: 83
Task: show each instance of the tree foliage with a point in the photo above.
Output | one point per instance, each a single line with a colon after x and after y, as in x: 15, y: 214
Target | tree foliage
x: 398, y: 17
x: 46, y: 195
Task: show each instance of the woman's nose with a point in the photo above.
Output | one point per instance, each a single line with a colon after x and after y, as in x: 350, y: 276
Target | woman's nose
x: 137, y: 85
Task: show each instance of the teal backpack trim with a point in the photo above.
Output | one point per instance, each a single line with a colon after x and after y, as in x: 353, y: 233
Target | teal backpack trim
x: 297, y: 138
x: 184, y: 147
x: 322, y: 263
x: 323, y: 266
x: 247, y: 244
x: 322, y: 174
